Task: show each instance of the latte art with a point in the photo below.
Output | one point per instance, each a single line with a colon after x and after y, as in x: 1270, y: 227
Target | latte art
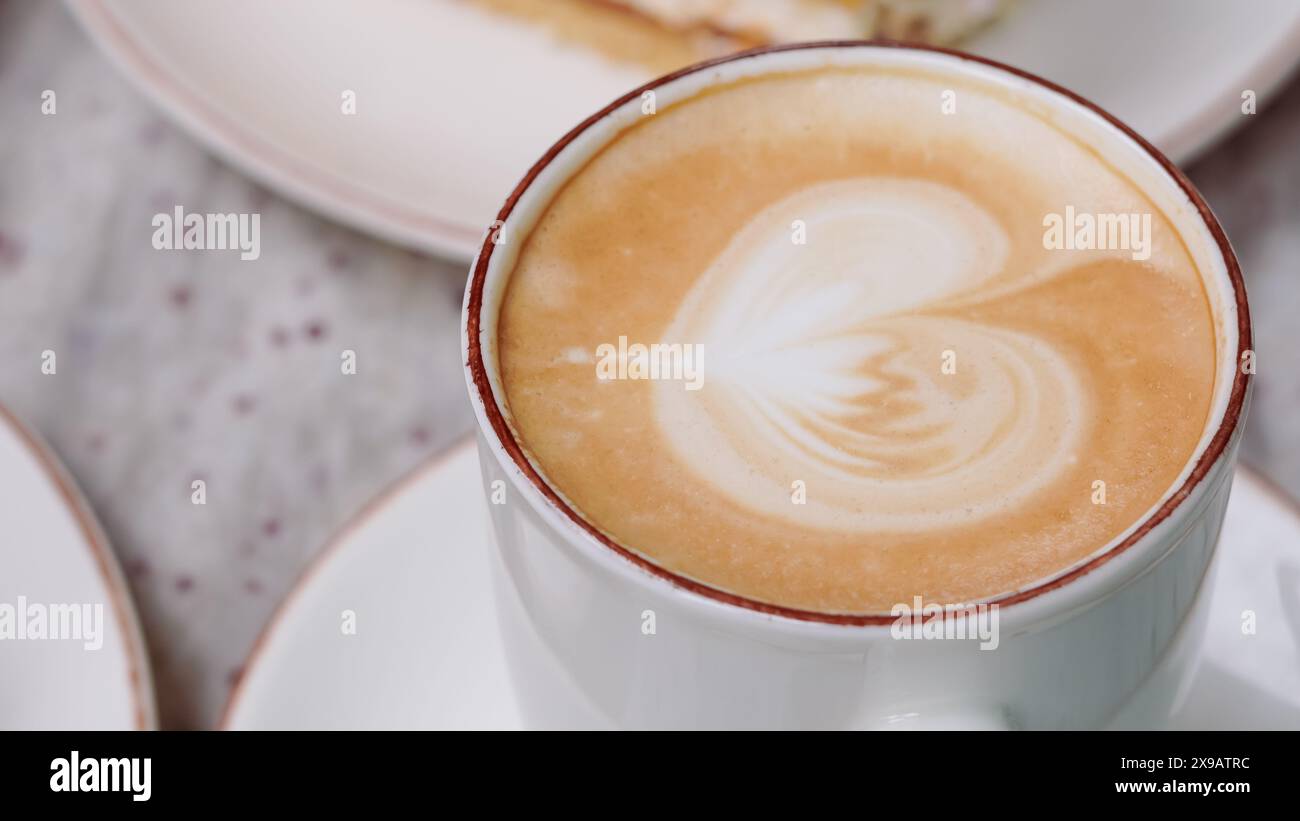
x: 828, y: 370
x: 907, y: 392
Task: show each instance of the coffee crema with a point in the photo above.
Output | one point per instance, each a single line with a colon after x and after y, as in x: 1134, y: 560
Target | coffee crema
x: 904, y: 392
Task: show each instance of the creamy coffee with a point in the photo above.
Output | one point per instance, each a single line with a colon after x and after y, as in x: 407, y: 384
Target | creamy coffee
x: 944, y: 349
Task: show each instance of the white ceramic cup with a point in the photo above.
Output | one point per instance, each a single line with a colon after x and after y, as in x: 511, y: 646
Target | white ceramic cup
x: 1110, y: 640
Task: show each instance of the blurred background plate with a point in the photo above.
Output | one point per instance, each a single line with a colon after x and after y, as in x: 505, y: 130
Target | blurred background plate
x: 52, y: 552
x: 454, y: 103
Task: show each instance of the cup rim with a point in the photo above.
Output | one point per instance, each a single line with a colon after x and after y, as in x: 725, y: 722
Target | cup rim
x: 480, y: 383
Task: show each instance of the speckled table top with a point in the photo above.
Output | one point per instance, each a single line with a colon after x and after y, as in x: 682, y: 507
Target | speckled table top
x: 179, y: 367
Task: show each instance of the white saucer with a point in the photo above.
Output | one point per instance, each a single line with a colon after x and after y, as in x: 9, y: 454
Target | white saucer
x: 413, y: 567
x: 52, y: 552
x: 454, y: 104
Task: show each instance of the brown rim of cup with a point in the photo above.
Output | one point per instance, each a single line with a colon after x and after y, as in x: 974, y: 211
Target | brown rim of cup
x: 474, y: 354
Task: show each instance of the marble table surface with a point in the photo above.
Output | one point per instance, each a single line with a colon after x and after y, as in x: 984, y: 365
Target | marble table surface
x: 176, y: 367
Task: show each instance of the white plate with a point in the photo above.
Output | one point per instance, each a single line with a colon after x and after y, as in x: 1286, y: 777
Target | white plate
x: 52, y: 552
x: 413, y: 568
x: 454, y: 104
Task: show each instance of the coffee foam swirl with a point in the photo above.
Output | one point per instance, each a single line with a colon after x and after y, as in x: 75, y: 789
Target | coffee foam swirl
x: 826, y: 366
x: 823, y: 362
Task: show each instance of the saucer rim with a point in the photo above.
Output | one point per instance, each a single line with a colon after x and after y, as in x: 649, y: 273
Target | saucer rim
x: 386, y: 497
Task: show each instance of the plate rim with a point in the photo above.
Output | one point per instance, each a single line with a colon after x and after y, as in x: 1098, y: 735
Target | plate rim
x: 333, y: 546
x: 1270, y: 71
x: 139, y: 673
x: 268, y: 165
x: 372, y: 213
x: 341, y: 538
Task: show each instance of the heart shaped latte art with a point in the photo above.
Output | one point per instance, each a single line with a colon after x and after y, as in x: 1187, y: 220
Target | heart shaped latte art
x: 842, y: 391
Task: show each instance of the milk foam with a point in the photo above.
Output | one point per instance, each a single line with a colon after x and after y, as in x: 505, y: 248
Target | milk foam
x: 917, y: 399
x: 826, y: 369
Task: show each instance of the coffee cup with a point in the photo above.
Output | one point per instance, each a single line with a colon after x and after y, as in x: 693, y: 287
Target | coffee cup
x: 655, y: 565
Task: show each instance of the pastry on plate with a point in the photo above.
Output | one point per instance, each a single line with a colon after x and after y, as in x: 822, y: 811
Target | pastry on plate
x: 666, y: 34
